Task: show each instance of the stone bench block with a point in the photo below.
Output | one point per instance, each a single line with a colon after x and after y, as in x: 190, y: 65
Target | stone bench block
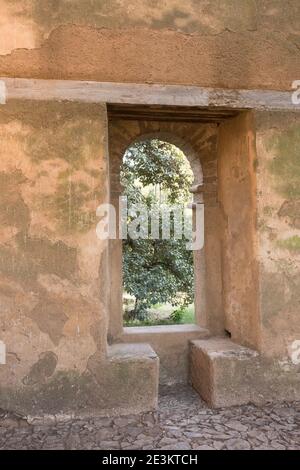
x: 130, y: 378
x: 171, y: 343
x: 222, y: 372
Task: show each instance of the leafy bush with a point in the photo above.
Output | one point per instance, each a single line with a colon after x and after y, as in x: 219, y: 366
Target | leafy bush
x: 156, y: 270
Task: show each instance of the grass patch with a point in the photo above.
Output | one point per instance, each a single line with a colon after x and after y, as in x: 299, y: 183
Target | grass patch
x: 187, y: 316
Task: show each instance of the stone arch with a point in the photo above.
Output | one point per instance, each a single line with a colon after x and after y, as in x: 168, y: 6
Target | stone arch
x: 197, y: 141
x: 184, y: 146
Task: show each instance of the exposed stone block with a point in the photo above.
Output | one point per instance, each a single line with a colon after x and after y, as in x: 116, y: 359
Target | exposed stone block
x: 222, y: 371
x: 131, y: 378
x: 124, y: 382
x: 227, y: 374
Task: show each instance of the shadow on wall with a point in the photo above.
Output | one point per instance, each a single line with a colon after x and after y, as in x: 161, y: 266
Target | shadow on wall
x: 220, y: 47
x: 191, y: 16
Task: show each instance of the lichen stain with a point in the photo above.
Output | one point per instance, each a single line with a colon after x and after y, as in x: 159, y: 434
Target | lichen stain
x: 291, y: 210
x: 188, y: 16
x: 280, y: 296
x: 273, y: 296
x: 50, y: 318
x: 17, y: 265
x: 54, y: 258
x: 51, y: 399
x: 31, y: 256
x: 286, y: 164
x: 52, y: 179
x: 76, y: 141
x: 74, y: 203
x: 13, y: 210
x: 292, y: 244
x: 65, y: 146
x: 42, y: 369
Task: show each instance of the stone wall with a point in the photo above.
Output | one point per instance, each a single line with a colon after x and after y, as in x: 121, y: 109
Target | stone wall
x: 237, y: 199
x: 278, y: 179
x: 52, y: 274
x: 217, y: 43
x: 55, y: 276
x: 259, y: 179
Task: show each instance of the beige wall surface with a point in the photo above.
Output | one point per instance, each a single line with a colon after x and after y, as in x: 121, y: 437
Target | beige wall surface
x: 237, y: 198
x: 53, y: 297
x: 54, y: 172
x: 218, y: 43
x: 278, y: 179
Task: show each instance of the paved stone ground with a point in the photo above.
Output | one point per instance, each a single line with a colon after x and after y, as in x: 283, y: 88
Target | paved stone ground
x: 182, y: 422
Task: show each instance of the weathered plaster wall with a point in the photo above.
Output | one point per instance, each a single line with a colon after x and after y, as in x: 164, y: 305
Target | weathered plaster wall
x: 278, y: 177
x: 237, y: 199
x: 259, y: 180
x: 227, y: 374
x: 52, y: 270
x: 53, y: 174
x: 218, y: 43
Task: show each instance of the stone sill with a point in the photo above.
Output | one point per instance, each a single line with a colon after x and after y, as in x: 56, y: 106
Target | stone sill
x: 164, y: 329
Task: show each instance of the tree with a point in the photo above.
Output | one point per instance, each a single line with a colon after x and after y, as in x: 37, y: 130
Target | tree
x: 156, y: 270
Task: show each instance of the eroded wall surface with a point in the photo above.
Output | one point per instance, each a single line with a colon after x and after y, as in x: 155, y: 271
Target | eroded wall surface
x: 237, y: 199
x: 218, y: 43
x: 53, y: 168
x: 54, y: 173
x: 278, y: 179
x: 258, y: 175
x: 259, y: 181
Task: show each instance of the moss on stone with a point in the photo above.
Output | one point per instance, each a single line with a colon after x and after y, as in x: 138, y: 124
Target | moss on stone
x: 187, y: 16
x: 291, y: 244
x: 291, y: 210
x: 69, y: 205
x: 262, y: 225
x: 255, y: 164
x: 268, y: 210
x: 75, y: 142
x: 286, y: 164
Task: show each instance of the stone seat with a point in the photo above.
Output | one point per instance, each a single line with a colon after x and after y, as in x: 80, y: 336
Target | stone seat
x: 130, y: 377
x: 171, y: 343
x: 222, y: 372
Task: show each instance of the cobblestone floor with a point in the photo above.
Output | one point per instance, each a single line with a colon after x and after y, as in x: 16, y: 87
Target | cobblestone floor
x: 182, y: 422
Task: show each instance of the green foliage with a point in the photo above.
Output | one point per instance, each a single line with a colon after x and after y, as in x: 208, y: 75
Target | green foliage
x: 185, y: 315
x: 154, y: 162
x: 177, y: 315
x: 156, y: 271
